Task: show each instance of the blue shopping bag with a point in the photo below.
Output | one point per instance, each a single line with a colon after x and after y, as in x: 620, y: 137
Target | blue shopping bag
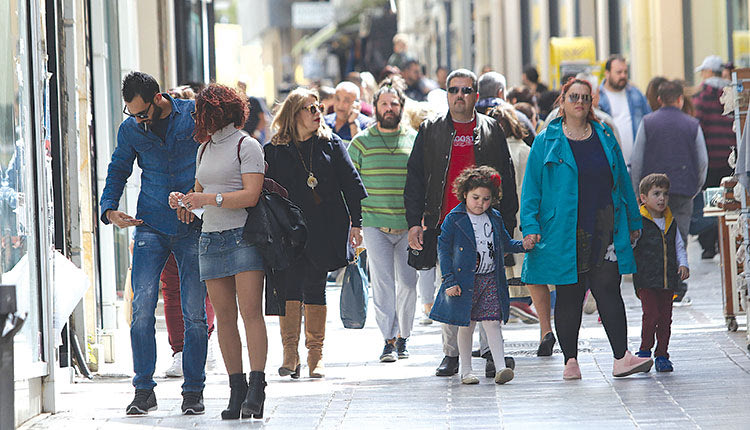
x: 354, y: 296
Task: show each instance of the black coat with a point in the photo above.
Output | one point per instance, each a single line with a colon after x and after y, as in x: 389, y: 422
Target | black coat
x: 427, y: 169
x: 339, y: 187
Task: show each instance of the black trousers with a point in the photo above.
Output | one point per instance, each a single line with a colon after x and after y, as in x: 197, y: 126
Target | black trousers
x: 306, y: 282
x: 604, y: 283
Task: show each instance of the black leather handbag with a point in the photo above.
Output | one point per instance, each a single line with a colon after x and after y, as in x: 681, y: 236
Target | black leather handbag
x: 426, y: 258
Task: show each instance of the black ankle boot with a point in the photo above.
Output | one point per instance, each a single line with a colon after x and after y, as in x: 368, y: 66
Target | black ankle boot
x: 237, y: 393
x: 256, y: 396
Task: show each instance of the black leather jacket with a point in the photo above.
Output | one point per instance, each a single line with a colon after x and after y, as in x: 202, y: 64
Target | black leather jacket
x: 427, y: 169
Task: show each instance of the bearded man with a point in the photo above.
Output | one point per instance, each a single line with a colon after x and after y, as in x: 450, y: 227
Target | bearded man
x: 380, y: 154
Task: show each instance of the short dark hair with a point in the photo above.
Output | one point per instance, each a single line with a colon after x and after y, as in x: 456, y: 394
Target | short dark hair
x: 652, y: 181
x: 531, y: 73
x: 670, y: 91
x: 411, y: 62
x: 389, y: 85
x: 141, y: 84
x: 462, y: 73
x: 613, y: 57
x: 521, y: 94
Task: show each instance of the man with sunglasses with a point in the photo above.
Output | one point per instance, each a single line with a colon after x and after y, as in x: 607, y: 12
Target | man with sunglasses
x: 159, y: 134
x: 445, y: 146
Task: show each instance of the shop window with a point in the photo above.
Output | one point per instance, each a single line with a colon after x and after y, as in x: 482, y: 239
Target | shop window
x: 17, y: 221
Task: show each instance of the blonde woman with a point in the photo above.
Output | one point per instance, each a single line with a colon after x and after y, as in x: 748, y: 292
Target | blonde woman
x: 313, y: 164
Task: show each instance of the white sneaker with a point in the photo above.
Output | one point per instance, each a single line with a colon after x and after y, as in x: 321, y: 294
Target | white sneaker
x: 210, y: 358
x: 425, y: 320
x: 175, y: 370
x: 469, y: 379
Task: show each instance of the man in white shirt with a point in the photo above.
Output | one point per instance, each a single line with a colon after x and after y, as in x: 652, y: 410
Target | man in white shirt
x: 624, y: 102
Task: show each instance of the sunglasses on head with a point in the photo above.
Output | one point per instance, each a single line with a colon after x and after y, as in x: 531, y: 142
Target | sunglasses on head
x: 585, y: 98
x: 464, y: 90
x: 139, y: 115
x: 316, y: 107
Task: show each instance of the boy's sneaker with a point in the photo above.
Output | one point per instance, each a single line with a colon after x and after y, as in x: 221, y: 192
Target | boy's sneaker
x: 143, y: 403
x: 401, y: 348
x: 389, y: 353
x: 175, y: 370
x: 644, y: 354
x: 524, y: 312
x: 663, y: 364
x: 192, y: 403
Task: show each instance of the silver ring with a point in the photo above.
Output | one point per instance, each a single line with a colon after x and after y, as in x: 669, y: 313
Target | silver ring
x: 189, y: 205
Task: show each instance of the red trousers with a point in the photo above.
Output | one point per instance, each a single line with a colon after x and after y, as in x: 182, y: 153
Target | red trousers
x: 657, y: 319
x: 170, y: 291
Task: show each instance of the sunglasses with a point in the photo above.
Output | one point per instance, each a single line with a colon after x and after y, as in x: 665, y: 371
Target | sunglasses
x: 315, y: 107
x: 139, y: 115
x: 584, y: 98
x: 464, y: 90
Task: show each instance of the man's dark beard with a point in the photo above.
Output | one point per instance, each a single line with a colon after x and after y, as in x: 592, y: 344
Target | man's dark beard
x: 390, y: 122
x: 619, y: 85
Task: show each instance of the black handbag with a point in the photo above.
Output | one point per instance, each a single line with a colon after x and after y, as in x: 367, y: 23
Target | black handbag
x: 426, y: 258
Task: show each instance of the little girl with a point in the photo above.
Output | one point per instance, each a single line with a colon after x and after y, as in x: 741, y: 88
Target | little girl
x: 471, y: 246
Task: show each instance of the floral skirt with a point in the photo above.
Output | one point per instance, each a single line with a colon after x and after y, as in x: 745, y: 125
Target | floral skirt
x: 485, y: 305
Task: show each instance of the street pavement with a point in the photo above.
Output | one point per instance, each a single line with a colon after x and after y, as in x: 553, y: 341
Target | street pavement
x: 709, y: 388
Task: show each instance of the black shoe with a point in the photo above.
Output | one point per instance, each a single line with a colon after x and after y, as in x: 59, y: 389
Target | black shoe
x: 510, y: 363
x: 143, y: 403
x: 256, y: 396
x: 476, y: 353
x: 448, y: 367
x: 237, y: 393
x: 546, y: 345
x: 192, y: 403
x: 389, y: 353
x: 489, y: 366
x: 401, y: 348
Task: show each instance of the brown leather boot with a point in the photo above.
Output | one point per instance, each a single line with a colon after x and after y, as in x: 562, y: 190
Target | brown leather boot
x: 315, y: 333
x: 289, y: 326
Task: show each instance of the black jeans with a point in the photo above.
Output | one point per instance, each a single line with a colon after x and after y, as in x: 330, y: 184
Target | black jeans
x: 604, y: 283
x: 306, y: 282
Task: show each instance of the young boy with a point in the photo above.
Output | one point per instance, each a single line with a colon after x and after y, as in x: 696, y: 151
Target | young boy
x: 662, y: 263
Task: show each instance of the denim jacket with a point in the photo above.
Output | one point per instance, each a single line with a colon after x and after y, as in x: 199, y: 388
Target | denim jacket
x: 457, y: 250
x: 167, y: 166
x: 637, y: 103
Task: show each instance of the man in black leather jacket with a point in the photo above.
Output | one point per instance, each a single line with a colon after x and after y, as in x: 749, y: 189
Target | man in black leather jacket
x: 439, y: 154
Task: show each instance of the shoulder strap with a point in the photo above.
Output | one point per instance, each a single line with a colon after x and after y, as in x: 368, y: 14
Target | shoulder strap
x: 239, y: 144
x: 202, y: 150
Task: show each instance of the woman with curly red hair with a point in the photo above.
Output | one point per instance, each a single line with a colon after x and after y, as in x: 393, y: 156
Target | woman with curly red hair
x: 228, y: 179
x: 580, y: 217
x: 313, y: 164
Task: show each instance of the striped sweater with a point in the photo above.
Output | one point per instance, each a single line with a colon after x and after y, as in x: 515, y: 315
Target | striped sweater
x: 717, y: 129
x: 380, y: 159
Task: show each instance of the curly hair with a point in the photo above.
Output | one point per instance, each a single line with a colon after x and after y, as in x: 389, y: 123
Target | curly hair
x: 476, y: 177
x: 216, y: 107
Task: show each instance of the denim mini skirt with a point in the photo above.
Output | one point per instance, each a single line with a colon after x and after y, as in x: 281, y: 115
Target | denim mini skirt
x: 226, y: 253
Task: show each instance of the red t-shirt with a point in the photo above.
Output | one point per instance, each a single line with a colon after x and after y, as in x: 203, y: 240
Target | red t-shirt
x: 462, y: 156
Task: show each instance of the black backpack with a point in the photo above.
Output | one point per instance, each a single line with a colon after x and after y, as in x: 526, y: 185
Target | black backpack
x: 277, y: 227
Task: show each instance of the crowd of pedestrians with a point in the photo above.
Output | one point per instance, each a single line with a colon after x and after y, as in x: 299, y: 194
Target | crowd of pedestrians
x: 584, y: 185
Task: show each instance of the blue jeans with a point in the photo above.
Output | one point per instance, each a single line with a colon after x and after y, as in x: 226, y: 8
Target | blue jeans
x: 150, y: 253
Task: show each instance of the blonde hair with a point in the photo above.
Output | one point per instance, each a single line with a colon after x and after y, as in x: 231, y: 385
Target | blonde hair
x: 285, y: 121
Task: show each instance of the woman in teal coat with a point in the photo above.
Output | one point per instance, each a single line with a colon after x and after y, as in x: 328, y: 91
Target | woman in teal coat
x: 580, y: 216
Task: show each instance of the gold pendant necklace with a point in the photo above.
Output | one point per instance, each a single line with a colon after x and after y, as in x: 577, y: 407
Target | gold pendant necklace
x: 312, y: 181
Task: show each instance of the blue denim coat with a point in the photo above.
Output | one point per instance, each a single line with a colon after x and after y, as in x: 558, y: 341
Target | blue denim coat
x: 637, y: 103
x: 167, y: 166
x: 549, y: 206
x: 457, y: 251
